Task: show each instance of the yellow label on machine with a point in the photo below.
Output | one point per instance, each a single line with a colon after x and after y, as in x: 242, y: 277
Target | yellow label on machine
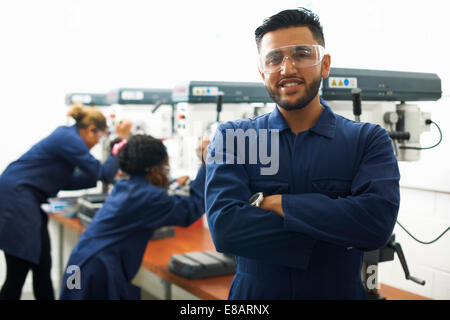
x: 205, y: 91
x: 342, y: 83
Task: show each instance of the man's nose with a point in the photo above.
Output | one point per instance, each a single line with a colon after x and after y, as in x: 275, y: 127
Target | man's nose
x: 288, y: 66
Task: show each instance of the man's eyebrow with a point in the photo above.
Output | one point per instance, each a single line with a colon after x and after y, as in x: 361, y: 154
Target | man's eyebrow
x: 302, y: 47
x: 272, y: 53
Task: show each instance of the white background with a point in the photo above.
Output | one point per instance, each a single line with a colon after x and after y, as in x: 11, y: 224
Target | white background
x: 49, y: 48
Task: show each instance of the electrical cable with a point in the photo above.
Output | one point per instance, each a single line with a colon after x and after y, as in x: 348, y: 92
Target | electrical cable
x: 423, y: 242
x: 428, y: 121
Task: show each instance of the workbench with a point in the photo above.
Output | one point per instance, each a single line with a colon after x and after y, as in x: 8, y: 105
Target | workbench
x: 194, y: 238
x: 157, y: 255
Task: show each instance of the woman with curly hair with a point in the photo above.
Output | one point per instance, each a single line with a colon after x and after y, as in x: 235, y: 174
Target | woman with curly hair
x: 110, y: 251
x: 60, y: 161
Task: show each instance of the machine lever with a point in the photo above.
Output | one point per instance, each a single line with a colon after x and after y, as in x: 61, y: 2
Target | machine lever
x: 219, y: 105
x: 417, y: 280
x: 398, y: 249
x: 399, y: 135
x: 158, y: 104
x: 356, y: 97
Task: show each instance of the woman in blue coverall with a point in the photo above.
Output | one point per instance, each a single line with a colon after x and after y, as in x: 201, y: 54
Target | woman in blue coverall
x: 60, y: 161
x: 110, y: 251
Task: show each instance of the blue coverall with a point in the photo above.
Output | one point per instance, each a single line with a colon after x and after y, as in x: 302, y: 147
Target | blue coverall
x: 110, y: 251
x: 339, y: 182
x: 60, y: 161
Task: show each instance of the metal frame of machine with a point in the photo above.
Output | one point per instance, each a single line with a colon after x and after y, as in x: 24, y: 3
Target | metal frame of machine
x: 140, y: 105
x: 384, y: 95
x: 89, y: 99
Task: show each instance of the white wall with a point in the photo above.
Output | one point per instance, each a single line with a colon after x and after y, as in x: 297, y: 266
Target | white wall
x: 426, y: 215
x: 53, y: 47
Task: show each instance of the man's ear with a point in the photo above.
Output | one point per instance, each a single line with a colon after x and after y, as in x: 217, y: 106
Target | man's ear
x: 326, y: 64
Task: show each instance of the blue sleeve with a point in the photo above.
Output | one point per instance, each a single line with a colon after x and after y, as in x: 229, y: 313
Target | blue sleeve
x: 241, y: 229
x: 175, y: 210
x: 366, y: 218
x: 82, y: 180
x: 197, y: 189
x: 69, y: 146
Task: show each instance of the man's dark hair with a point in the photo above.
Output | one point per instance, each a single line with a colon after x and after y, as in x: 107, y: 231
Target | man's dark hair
x: 291, y: 18
x: 140, y: 154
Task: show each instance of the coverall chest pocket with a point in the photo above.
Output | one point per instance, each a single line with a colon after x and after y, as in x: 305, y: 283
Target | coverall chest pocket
x: 269, y: 186
x: 334, y: 188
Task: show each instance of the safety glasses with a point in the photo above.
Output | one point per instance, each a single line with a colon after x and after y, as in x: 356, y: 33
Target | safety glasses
x: 299, y: 55
x: 165, y: 169
x: 101, y: 135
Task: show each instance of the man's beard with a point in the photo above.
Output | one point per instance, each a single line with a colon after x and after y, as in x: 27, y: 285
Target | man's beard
x: 310, y: 93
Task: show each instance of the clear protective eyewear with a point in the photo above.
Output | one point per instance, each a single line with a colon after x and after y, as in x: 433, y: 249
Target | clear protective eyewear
x: 165, y: 170
x: 300, y: 56
x: 102, y: 135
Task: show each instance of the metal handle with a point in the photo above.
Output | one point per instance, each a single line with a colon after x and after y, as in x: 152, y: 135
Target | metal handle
x: 219, y: 105
x: 356, y: 97
x: 398, y: 249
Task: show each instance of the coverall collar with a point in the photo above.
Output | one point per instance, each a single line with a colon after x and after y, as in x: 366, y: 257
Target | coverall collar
x: 325, y: 126
x: 138, y: 178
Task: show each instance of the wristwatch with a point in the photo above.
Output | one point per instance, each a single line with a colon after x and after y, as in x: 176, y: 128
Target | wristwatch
x: 256, y: 199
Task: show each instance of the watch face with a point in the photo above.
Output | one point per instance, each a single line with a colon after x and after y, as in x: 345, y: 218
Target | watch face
x: 254, y: 199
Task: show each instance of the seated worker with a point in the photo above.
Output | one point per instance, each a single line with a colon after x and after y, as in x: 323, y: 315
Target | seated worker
x: 110, y: 251
x: 61, y: 161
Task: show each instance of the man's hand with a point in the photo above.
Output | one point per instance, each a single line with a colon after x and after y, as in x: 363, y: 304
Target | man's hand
x: 273, y: 203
